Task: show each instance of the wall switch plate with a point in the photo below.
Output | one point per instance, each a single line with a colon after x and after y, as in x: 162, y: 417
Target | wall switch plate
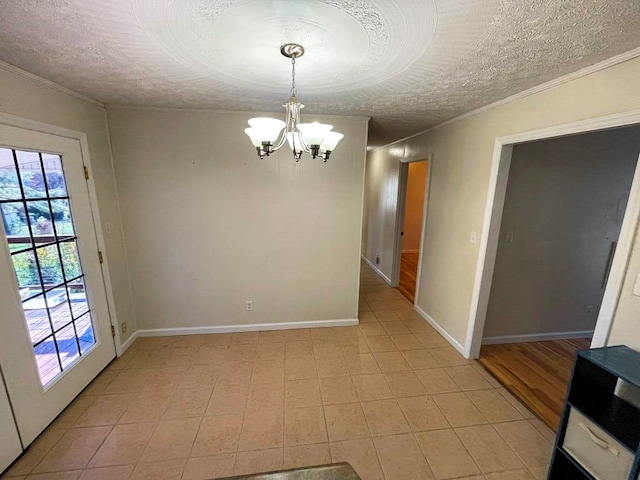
x: 107, y: 228
x: 474, y: 237
x: 249, y: 305
x: 636, y: 286
x: 123, y: 327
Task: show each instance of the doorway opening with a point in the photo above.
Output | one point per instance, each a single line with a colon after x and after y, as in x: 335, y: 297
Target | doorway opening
x: 562, y: 215
x: 413, y: 185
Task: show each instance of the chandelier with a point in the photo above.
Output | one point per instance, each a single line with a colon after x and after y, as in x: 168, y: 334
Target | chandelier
x: 268, y: 135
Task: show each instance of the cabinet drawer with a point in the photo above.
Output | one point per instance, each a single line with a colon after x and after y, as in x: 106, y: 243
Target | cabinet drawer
x: 602, y: 456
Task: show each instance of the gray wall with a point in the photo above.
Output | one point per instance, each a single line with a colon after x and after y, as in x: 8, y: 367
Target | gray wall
x: 564, y: 206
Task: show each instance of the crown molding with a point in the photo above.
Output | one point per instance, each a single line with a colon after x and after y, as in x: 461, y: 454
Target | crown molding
x: 583, y: 72
x: 47, y: 83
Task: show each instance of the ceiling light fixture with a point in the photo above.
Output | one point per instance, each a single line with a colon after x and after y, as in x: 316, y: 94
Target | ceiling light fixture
x: 269, y: 134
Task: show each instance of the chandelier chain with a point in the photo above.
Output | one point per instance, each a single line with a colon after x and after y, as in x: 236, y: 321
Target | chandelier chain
x: 294, y: 90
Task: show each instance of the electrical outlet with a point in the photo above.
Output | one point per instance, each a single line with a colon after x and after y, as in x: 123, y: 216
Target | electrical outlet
x: 377, y: 259
x: 123, y: 327
x: 107, y: 228
x: 249, y: 305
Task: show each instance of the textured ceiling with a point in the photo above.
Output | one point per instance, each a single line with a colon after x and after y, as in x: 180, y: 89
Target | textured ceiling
x: 409, y: 64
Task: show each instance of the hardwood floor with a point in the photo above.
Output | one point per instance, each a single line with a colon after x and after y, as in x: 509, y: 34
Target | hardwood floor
x: 537, y: 373
x: 408, y: 274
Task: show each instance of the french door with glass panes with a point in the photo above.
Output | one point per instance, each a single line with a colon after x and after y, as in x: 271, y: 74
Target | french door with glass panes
x: 55, y: 328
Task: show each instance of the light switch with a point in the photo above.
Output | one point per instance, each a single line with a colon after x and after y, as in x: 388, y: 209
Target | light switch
x: 636, y: 286
x: 474, y: 237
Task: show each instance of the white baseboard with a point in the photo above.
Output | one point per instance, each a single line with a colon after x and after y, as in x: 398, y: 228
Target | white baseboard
x: 537, y: 337
x: 413, y: 250
x: 377, y: 270
x: 254, y: 327
x: 127, y: 343
x: 454, y: 343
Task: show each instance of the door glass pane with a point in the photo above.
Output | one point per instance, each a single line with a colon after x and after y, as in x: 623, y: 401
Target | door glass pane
x: 36, y: 215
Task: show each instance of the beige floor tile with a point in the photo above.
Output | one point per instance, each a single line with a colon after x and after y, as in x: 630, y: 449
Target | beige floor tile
x: 372, y: 329
x: 381, y: 343
x: 422, y: 413
x: 210, y: 354
x: 73, y: 450
x: 298, y: 349
x: 268, y: 371
x: 304, y: 425
x: 235, y: 373
x: 266, y: 397
x: 217, y: 339
x: 121, y: 472
x: 262, y: 430
x: 105, y: 410
x: 544, y: 430
x: 200, y: 376
x: 171, y: 440
x: 258, y: 461
x: 367, y: 316
x: 391, y: 361
x: 446, y: 455
x: 362, y: 363
x: 371, y: 387
x: 124, y: 445
x: 165, y: 470
x: 458, y: 409
x: 395, y: 328
x: 539, y: 473
x: 404, y: 384
x: 493, y: 406
x: 188, y: 402
x: 243, y: 338
x: 468, y: 378
x: 98, y: 385
x: 36, y: 452
x: 524, y: 411
x: 407, y: 341
x: 298, y: 334
x: 327, y: 348
x: 401, y: 458
x: 306, y: 455
x: 488, y: 449
x: 384, y: 417
x: 533, y: 449
x: 145, y: 407
x: 241, y: 352
x: 333, y: 366
x: 354, y: 344
x: 269, y: 350
x: 219, y: 434
x: 337, y: 390
x: 302, y: 393
x: 228, y: 399
x: 72, y: 413
x: 436, y: 381
x: 362, y: 456
x: 70, y: 475
x: 270, y: 337
x: 420, y: 359
x: 448, y: 356
x: 431, y: 339
x: 487, y: 375
x: 386, y: 314
x: 345, y: 422
x: 511, y: 475
x: 205, y: 468
x: 300, y: 368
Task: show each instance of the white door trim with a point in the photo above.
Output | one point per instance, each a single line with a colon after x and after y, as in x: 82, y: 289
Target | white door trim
x: 403, y: 175
x: 28, y: 124
x: 493, y: 215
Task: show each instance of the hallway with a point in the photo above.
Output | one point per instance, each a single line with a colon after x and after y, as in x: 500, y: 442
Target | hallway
x: 389, y: 396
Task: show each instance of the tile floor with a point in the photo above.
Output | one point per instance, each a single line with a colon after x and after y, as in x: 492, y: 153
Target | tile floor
x: 390, y: 396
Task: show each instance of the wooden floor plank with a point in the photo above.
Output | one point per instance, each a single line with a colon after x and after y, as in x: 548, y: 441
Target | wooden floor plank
x: 408, y: 275
x: 537, y: 373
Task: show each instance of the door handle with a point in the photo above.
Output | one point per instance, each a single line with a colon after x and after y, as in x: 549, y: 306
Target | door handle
x: 607, y: 271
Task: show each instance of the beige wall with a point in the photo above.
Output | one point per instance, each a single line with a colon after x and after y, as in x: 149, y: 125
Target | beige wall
x: 412, y: 226
x: 563, y: 208
x: 462, y: 155
x: 208, y: 225
x: 30, y: 99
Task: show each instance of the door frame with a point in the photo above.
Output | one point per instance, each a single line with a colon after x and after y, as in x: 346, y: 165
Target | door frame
x: 34, y: 125
x: 503, y: 149
x: 403, y: 175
